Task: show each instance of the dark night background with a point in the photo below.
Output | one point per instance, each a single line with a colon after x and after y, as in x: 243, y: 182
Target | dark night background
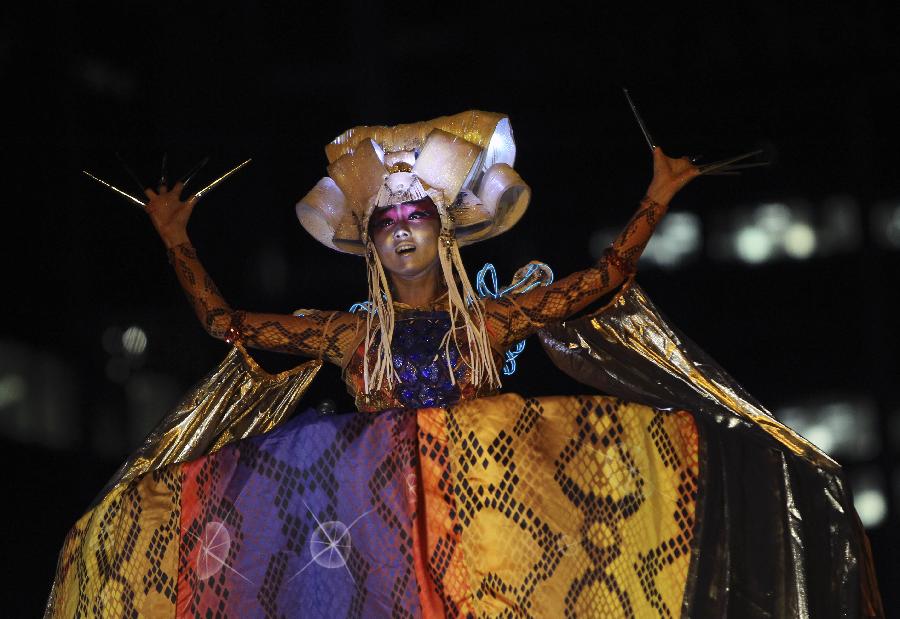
x: 787, y: 275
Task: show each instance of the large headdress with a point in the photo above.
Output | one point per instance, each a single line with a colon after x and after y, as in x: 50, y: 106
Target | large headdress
x: 464, y: 164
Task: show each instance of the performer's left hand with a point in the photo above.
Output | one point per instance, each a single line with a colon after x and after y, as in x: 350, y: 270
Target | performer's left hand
x: 670, y: 175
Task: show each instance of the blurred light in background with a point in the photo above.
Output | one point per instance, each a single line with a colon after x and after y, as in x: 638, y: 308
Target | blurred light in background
x: 134, y: 341
x: 753, y: 245
x: 13, y: 389
x: 840, y: 225
x: 886, y: 224
x: 38, y: 397
x: 126, y: 348
x: 40, y: 404
x: 845, y: 427
x: 677, y: 241
x: 122, y: 415
x: 786, y: 231
x: 762, y: 233
x: 869, y: 496
x: 799, y: 241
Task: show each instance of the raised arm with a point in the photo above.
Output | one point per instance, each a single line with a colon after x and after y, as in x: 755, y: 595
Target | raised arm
x: 320, y: 334
x: 512, y: 318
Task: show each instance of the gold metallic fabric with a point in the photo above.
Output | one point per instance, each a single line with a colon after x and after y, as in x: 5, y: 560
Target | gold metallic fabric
x: 474, y: 126
x: 776, y: 533
x: 635, y: 327
x: 236, y: 400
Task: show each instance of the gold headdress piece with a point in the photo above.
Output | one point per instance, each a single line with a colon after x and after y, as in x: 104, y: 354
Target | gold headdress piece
x: 464, y: 164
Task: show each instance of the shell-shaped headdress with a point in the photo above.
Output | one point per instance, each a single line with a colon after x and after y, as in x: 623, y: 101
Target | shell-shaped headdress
x: 463, y: 162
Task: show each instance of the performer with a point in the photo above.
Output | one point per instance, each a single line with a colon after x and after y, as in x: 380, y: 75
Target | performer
x: 445, y: 499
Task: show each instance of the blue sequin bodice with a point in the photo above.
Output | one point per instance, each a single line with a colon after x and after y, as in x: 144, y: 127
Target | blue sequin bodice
x: 421, y: 363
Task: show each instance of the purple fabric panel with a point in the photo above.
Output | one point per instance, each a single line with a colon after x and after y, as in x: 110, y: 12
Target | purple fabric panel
x: 311, y: 520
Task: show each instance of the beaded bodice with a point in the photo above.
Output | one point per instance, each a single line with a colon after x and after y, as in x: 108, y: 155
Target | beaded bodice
x: 421, y: 362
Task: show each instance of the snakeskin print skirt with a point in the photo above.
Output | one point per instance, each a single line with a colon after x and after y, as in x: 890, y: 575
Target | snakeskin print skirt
x: 500, y: 506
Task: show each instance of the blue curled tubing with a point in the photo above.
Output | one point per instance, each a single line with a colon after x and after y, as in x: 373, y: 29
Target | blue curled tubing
x: 536, y: 274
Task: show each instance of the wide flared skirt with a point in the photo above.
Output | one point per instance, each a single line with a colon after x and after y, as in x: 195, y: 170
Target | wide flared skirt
x: 500, y: 506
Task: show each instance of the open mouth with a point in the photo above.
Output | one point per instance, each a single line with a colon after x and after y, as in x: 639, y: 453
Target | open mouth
x: 406, y: 248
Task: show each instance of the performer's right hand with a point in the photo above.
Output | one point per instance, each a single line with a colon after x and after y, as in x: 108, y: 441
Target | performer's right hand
x: 169, y: 213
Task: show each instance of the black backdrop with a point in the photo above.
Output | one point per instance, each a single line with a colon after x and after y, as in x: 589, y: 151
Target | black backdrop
x: 276, y: 81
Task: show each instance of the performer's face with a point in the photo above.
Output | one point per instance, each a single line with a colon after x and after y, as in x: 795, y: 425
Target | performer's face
x: 406, y: 237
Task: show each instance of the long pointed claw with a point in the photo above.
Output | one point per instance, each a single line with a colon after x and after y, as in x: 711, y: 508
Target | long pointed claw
x: 216, y: 182
x: 137, y: 181
x: 164, y: 175
x: 640, y: 121
x: 116, y: 189
x: 190, y: 175
x: 706, y: 169
x: 747, y: 166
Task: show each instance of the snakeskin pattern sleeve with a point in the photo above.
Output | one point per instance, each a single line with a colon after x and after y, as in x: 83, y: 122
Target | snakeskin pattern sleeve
x: 318, y: 334
x: 515, y: 317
